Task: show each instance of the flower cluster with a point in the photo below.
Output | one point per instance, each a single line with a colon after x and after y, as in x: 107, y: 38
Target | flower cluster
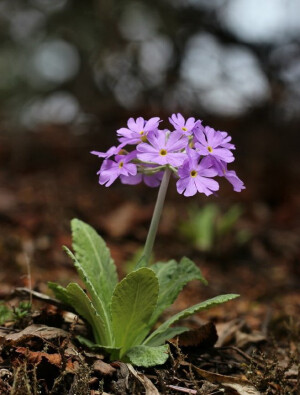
x: 195, y: 153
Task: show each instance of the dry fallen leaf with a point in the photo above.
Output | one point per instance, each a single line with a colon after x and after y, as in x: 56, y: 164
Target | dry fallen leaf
x: 103, y: 368
x: 150, y: 388
x: 220, y: 378
x: 242, y: 389
x: 204, y: 337
x: 227, y: 330
x: 40, y: 331
x: 243, y: 339
x: 35, y: 357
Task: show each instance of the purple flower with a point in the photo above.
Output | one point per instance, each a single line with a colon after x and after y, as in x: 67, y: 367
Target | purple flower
x: 222, y: 171
x: 210, y: 142
x: 163, y: 148
x: 110, y: 152
x: 196, y: 177
x: 184, y: 126
x: 193, y: 152
x: 111, y: 170
x: 137, y: 130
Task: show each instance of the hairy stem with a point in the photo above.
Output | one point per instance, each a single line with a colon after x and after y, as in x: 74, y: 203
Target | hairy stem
x: 144, y: 261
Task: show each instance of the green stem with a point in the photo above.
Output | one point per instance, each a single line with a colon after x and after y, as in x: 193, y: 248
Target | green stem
x: 144, y: 261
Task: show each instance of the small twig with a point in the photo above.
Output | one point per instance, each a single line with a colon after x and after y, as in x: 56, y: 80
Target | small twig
x: 29, y: 278
x: 7, y: 329
x: 182, y: 389
x: 266, y: 321
x: 243, y: 354
x: 25, y: 293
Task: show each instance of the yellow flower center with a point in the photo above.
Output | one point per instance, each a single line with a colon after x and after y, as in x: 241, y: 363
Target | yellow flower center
x: 193, y: 173
x: 163, y: 152
x: 121, y: 164
x: 142, y: 132
x: 144, y: 138
x: 184, y: 129
x: 210, y: 149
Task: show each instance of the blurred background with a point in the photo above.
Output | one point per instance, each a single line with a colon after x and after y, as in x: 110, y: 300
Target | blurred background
x: 72, y: 72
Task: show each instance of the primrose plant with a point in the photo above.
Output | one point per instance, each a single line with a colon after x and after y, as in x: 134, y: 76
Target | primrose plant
x: 122, y: 314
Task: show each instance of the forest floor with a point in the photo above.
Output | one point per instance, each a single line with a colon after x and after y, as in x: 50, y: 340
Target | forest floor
x: 248, y: 346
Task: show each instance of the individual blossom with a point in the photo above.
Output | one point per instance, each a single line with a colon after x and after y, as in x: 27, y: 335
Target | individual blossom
x: 163, y: 148
x: 137, y: 130
x: 210, y: 142
x: 195, y: 176
x: 230, y: 175
x: 112, y: 169
x: 184, y: 126
x: 110, y: 152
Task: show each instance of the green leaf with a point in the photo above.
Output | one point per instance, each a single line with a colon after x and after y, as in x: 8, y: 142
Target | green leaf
x: 59, y: 292
x: 94, y: 261
x: 102, y: 311
x: 190, y: 311
x: 84, y: 307
x: 148, y: 356
x: 5, y: 313
x: 96, y: 269
x: 228, y: 220
x: 132, y: 305
x: 200, y: 226
x: 172, y: 277
x: 88, y: 343
x: 78, y: 299
x: 168, y: 334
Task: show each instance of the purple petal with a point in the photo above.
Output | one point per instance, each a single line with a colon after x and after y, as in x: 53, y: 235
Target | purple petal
x: 175, y: 159
x: 107, y: 177
x: 234, y: 180
x: 157, y: 139
x: 144, y: 147
x: 124, y: 132
x: 208, y: 172
x: 130, y: 168
x: 210, y: 134
x: 201, y: 149
x: 153, y: 180
x: 152, y: 124
x: 150, y: 157
x: 176, y: 141
x: 181, y: 184
x: 131, y: 180
x: 190, y: 123
x: 223, y: 154
x: 200, y: 136
x: 206, y: 185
